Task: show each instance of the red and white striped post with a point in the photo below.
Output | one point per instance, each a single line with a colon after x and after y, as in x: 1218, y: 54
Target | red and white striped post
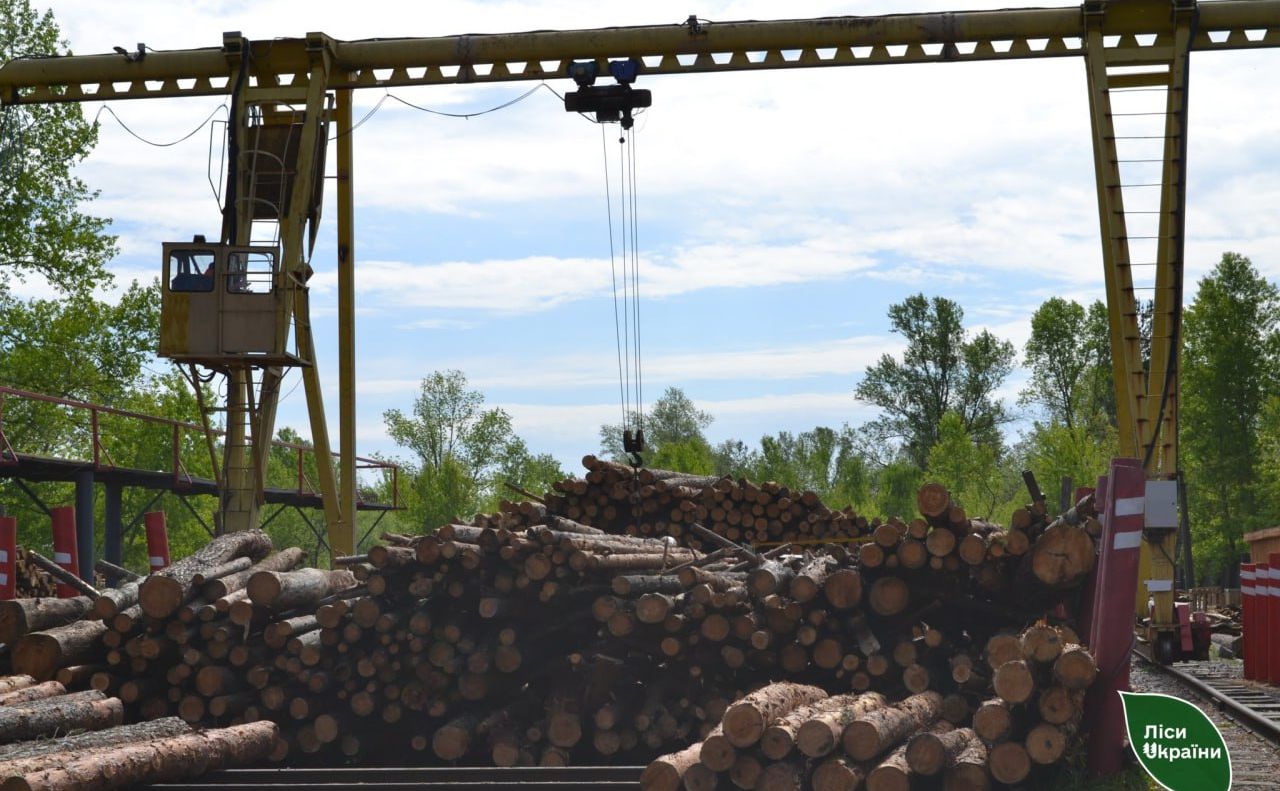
x: 1262, y: 620
x: 8, y: 557
x: 157, y: 540
x: 64, y: 546
x: 1247, y: 636
x: 1272, y: 672
x: 1112, y: 625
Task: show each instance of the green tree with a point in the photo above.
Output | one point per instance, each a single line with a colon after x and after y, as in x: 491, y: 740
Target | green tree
x: 43, y: 228
x: 1230, y: 370
x: 1057, y: 358
x: 942, y: 370
x: 672, y: 418
x: 969, y: 470
x: 463, y: 451
x: 1098, y: 388
x: 895, y: 488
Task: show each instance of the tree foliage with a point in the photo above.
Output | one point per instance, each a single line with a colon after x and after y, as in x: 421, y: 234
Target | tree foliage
x: 464, y: 451
x: 672, y: 420
x: 43, y: 228
x: 1229, y: 373
x: 942, y: 370
x: 970, y: 470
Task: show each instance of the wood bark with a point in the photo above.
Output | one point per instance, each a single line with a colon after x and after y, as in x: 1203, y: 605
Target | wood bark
x: 41, y: 654
x: 156, y: 761
x: 930, y: 752
x: 284, y: 560
x: 745, y: 720
x: 285, y: 590
x: 82, y: 711
x: 20, y: 616
x: 666, y: 772
x: 876, y: 731
x: 162, y: 593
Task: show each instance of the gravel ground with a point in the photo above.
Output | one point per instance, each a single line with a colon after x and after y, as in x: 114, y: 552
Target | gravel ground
x: 1255, y: 761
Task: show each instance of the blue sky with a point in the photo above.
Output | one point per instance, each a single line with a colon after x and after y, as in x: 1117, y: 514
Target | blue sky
x: 780, y: 213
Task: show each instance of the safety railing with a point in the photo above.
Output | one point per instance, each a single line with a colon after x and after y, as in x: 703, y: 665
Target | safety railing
x: 102, y: 459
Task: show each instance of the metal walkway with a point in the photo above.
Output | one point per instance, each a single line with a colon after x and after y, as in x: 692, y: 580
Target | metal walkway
x: 574, y: 778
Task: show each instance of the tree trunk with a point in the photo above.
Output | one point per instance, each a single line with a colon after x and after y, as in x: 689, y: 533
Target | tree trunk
x: 1013, y: 682
x: 889, y: 596
x: 745, y: 721
x: 284, y: 560
x: 930, y: 752
x: 48, y: 689
x: 1009, y: 762
x: 1075, y: 668
x: 843, y: 589
x: 156, y: 761
x: 894, y: 772
x: 82, y: 711
x: 40, y: 654
x: 666, y: 772
x: 970, y: 770
x: 286, y: 590
x: 1062, y: 556
x: 993, y: 721
x: 162, y: 593
x: 837, y: 774
x: 876, y: 731
x: 20, y: 616
x: 820, y: 733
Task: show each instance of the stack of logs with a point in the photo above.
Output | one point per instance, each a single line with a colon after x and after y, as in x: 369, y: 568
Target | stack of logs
x: 104, y: 753
x: 31, y: 581
x: 654, y: 503
x: 532, y: 638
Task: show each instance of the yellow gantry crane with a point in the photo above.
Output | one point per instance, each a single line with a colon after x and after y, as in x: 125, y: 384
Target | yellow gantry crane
x: 240, y: 306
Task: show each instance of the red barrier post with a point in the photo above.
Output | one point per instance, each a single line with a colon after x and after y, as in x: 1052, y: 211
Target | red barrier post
x: 1094, y: 580
x: 1262, y: 619
x: 1272, y: 672
x: 8, y: 557
x: 65, y: 553
x: 1112, y: 625
x: 1248, y: 638
x: 157, y: 540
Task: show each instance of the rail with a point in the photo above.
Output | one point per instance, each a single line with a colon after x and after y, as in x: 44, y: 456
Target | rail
x: 101, y: 458
x: 1249, y: 705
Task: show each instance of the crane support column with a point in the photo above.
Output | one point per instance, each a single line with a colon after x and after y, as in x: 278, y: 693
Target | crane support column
x: 1146, y: 387
x: 345, y: 544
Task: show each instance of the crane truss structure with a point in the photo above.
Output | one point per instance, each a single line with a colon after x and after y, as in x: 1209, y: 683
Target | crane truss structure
x: 1126, y: 45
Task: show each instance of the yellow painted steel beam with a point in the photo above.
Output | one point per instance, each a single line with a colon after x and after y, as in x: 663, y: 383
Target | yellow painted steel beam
x: 666, y: 49
x: 346, y: 318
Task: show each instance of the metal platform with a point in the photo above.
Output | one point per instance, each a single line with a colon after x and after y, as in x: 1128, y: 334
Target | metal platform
x: 575, y: 778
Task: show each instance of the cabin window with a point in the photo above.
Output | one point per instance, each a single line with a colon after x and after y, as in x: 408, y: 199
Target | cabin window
x: 250, y: 272
x: 191, y: 270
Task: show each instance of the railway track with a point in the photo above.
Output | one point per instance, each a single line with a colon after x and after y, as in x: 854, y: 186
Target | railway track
x: 1254, y: 706
x: 576, y: 778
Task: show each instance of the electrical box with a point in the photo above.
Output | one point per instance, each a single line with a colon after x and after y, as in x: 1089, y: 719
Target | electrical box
x: 1162, y: 505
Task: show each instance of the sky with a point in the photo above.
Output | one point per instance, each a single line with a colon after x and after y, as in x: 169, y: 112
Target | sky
x: 779, y: 213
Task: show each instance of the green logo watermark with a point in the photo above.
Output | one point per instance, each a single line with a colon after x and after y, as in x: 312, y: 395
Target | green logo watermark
x: 1176, y: 743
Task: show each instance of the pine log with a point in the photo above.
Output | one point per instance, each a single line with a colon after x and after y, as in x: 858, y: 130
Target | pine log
x: 745, y: 720
x: 1075, y: 668
x: 889, y: 596
x: 1062, y: 556
x: 894, y: 772
x: 1003, y: 648
x: 876, y: 731
x: 930, y: 752
x: 286, y: 590
x: 746, y: 771
x: 1009, y: 762
x: 48, y: 689
x: 970, y: 771
x: 41, y: 654
x: 838, y: 774
x: 13, y: 683
x: 781, y: 776
x: 284, y: 560
x: 1041, y: 644
x: 1059, y: 705
x: 1046, y: 743
x: 666, y: 772
x: 156, y: 761
x: 811, y: 578
x: 20, y: 616
x: 993, y: 721
x: 84, y: 710
x: 717, y: 753
x: 1014, y: 682
x: 162, y: 593
x: 843, y: 589
x: 89, y: 740
x: 821, y: 731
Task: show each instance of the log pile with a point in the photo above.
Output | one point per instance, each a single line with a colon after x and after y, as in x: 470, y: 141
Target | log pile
x: 532, y: 638
x: 31, y: 581
x: 102, y: 753
x: 655, y: 503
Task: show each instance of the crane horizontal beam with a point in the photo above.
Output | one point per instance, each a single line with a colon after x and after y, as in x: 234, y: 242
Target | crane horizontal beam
x: 691, y: 47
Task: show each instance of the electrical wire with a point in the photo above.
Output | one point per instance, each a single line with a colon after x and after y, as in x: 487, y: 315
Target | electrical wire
x: 465, y: 116
x: 617, y: 325
x: 184, y: 138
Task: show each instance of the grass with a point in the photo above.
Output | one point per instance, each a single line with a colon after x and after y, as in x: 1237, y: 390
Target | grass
x: 1073, y: 775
